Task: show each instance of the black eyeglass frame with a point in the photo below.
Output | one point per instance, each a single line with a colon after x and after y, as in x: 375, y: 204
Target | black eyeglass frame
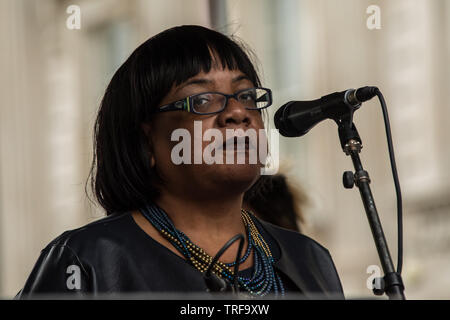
x: 186, y: 103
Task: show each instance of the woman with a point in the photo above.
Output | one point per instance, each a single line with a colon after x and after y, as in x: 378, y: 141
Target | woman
x: 166, y: 220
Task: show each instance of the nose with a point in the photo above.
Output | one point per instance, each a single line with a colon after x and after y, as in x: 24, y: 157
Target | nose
x: 234, y: 114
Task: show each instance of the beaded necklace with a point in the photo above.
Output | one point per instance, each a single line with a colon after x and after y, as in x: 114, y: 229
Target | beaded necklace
x: 264, y: 279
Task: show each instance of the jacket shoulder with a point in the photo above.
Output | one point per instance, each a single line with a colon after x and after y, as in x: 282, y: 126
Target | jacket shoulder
x: 64, y: 265
x: 87, y: 234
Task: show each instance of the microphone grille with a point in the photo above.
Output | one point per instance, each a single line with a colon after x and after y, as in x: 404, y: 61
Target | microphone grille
x: 281, y: 122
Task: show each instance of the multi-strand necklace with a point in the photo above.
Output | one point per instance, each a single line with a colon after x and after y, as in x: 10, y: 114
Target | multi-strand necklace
x: 264, y: 279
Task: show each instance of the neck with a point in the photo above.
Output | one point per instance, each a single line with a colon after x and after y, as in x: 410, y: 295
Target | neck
x: 209, y: 223
x: 209, y: 216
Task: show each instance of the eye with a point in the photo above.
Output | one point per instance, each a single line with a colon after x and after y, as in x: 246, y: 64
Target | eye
x: 248, y: 96
x: 203, y: 102
x: 198, y: 101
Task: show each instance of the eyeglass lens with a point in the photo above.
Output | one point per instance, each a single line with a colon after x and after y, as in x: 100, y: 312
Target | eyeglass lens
x: 254, y: 98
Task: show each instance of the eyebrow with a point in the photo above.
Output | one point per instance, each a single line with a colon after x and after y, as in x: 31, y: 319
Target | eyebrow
x: 207, y: 81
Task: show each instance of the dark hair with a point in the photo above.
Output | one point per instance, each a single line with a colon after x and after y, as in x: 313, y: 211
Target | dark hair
x: 273, y: 199
x: 121, y: 176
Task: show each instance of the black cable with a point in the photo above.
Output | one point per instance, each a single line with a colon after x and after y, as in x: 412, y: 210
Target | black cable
x: 396, y: 182
x: 219, y: 254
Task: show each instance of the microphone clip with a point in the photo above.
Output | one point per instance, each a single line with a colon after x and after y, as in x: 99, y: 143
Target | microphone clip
x: 348, y: 135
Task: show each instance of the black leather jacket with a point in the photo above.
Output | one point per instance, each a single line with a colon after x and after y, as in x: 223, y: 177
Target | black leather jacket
x: 114, y: 255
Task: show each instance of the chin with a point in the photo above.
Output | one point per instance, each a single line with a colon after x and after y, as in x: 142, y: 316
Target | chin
x: 237, y: 177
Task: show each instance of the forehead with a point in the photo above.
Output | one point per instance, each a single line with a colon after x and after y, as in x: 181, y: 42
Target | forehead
x: 215, y: 77
x: 217, y: 74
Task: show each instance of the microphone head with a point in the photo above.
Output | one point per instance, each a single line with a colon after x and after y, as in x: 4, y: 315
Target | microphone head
x: 285, y: 126
x: 281, y: 123
x: 296, y: 118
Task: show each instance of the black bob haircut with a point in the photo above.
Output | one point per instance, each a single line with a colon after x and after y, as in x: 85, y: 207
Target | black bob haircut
x: 121, y: 177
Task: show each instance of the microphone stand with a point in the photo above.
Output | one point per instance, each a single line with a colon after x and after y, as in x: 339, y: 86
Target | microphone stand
x: 391, y: 283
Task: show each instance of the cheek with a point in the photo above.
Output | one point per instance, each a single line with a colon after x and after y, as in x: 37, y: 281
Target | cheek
x: 185, y: 133
x: 258, y: 119
x: 161, y: 135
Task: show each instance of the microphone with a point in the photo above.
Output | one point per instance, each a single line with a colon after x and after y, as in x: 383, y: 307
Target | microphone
x: 296, y: 118
x: 216, y: 284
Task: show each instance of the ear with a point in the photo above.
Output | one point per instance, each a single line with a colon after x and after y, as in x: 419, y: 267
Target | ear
x: 152, y: 161
x: 146, y: 127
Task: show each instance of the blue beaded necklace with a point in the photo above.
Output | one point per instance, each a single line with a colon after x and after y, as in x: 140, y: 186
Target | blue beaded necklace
x: 264, y: 280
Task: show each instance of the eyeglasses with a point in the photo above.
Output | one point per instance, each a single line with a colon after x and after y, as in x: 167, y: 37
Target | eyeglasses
x: 216, y: 102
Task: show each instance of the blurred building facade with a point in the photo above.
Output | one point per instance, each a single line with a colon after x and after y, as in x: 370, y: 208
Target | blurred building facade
x: 53, y: 78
